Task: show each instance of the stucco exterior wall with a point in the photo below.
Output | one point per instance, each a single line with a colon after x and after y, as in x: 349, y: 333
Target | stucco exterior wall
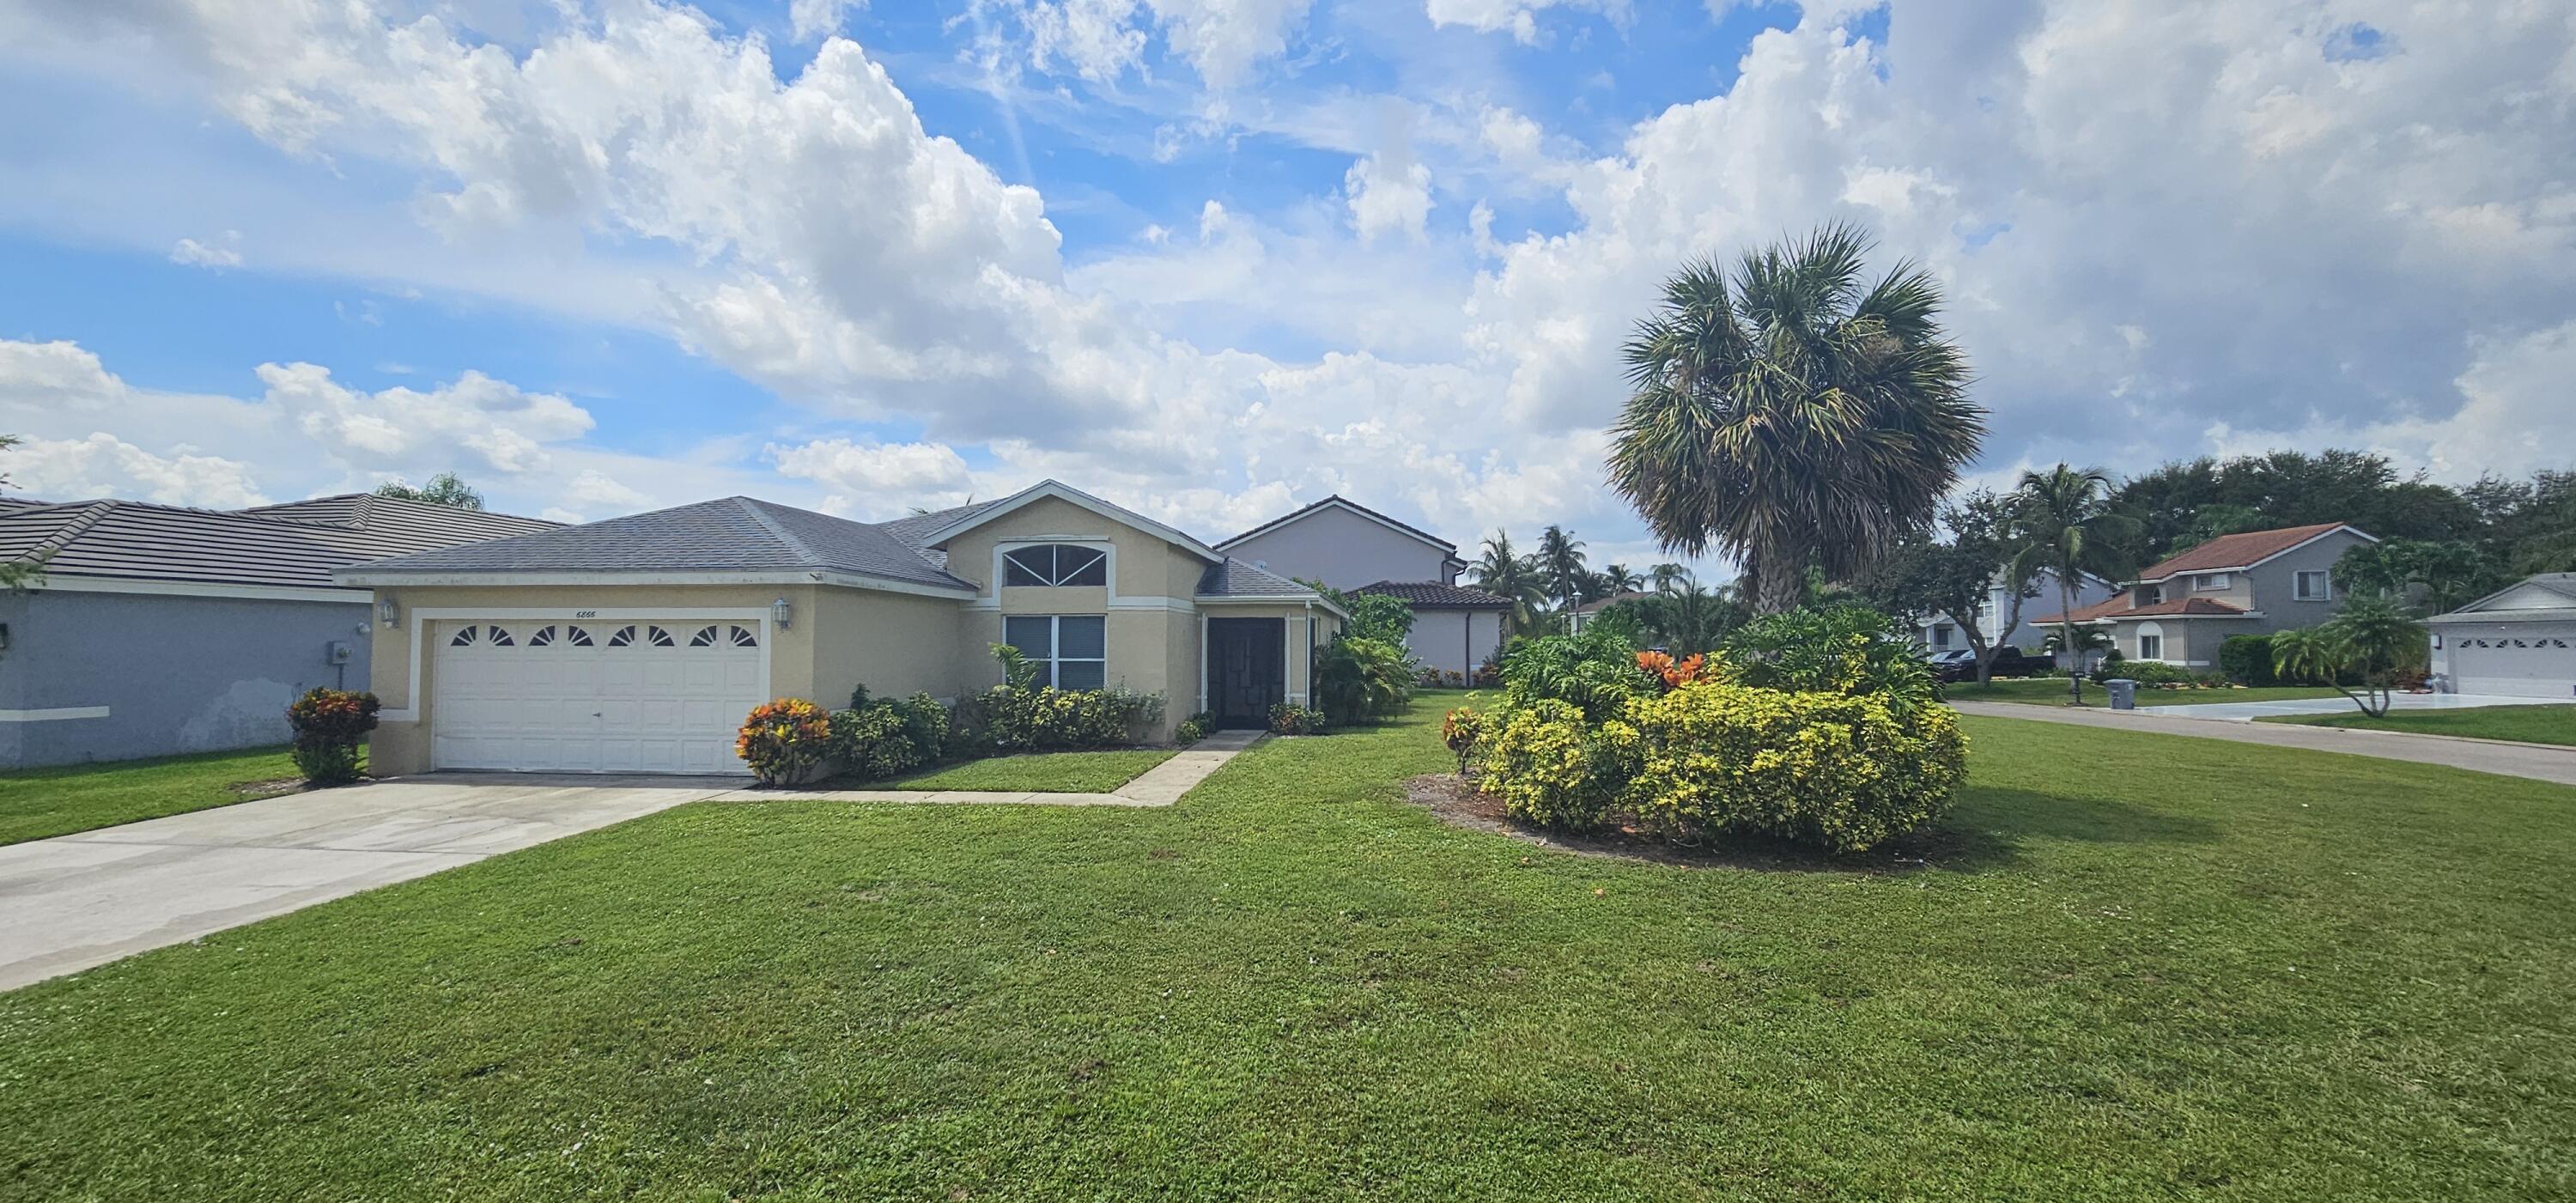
x: 1454, y: 640
x: 1344, y: 550
x: 176, y: 674
x: 402, y: 745
x: 894, y: 643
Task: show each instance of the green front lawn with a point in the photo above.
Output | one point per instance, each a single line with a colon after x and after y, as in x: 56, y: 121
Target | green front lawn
x: 2048, y: 691
x: 2526, y: 724
x: 2137, y: 966
x: 1039, y: 772
x: 36, y: 803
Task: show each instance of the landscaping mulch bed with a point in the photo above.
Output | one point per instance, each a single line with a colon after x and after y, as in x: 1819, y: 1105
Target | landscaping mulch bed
x: 1460, y: 804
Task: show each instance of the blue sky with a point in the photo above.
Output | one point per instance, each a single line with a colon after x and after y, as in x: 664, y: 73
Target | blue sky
x: 1215, y: 258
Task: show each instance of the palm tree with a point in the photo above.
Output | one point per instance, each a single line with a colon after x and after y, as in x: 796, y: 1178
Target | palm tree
x: 2064, y: 522
x: 1560, y: 557
x: 2371, y: 639
x: 1667, y: 575
x: 1503, y: 571
x: 1616, y: 579
x: 1790, y: 414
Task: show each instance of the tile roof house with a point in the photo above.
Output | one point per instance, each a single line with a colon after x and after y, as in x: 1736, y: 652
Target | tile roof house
x: 1357, y: 549
x: 2180, y: 610
x: 638, y: 643
x: 158, y: 629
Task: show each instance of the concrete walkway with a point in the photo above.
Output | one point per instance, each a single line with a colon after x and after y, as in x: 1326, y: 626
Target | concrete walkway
x: 2246, y: 712
x: 2539, y: 762
x: 76, y: 901
x: 1161, y: 785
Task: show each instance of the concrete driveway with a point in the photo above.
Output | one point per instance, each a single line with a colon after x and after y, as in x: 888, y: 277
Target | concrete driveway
x: 82, y: 900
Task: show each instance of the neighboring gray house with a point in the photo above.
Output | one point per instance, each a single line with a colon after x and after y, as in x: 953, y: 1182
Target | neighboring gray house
x: 1941, y: 633
x: 1356, y: 549
x: 157, y: 629
x: 2255, y: 583
x: 2518, y: 642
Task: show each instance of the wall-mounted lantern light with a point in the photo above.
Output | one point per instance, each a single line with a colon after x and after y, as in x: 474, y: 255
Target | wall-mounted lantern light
x: 386, y: 612
x: 780, y: 612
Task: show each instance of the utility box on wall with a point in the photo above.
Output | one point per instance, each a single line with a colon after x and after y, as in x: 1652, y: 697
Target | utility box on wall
x: 336, y: 652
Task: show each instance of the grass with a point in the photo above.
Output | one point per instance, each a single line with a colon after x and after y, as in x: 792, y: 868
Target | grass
x: 37, y: 803
x: 1046, y: 772
x: 2051, y: 691
x: 2525, y: 724
x: 2139, y: 966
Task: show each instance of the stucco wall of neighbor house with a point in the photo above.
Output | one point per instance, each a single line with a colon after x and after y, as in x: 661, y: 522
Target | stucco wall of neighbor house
x: 403, y: 746
x: 176, y: 674
x: 1344, y: 550
x: 1454, y: 640
x: 2274, y: 585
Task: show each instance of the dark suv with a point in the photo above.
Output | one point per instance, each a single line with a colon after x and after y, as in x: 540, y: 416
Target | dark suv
x: 1962, y: 665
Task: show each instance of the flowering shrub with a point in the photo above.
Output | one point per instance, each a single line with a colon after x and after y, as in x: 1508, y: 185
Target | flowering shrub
x: 1460, y: 729
x: 330, y: 725
x: 1552, y: 767
x: 1843, y: 772
x: 785, y: 741
x: 1441, y: 678
x: 1289, y: 718
x: 1674, y: 673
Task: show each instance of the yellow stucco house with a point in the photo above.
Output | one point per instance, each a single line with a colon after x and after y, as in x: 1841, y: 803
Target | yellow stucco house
x: 637, y: 644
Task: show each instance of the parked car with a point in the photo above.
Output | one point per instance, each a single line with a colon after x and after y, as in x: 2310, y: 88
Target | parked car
x: 2009, y: 661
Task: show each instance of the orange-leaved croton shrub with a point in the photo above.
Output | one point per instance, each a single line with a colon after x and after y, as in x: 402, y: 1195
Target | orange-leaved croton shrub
x: 1674, y: 673
x: 330, y: 725
x: 785, y: 741
x: 1460, y: 729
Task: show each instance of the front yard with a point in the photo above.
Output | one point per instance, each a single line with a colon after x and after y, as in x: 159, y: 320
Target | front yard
x: 2135, y: 966
x: 1038, y: 772
x: 2522, y: 724
x: 39, y: 803
x: 2051, y: 691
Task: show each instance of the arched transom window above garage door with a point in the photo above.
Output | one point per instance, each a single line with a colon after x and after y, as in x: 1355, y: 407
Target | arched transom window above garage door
x: 1043, y: 564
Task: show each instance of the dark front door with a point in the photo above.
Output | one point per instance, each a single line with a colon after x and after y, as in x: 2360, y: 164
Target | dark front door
x: 1247, y: 669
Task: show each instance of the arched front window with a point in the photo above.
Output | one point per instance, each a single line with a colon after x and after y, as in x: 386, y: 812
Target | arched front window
x: 1055, y: 564
x: 2151, y: 641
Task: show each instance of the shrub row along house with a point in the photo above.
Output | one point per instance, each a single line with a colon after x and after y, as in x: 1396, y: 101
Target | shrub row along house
x: 156, y: 629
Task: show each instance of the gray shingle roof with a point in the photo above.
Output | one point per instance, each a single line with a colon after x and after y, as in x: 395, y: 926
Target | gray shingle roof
x: 1435, y: 595
x: 399, y: 524
x: 1234, y: 578
x: 732, y: 534
x: 132, y: 540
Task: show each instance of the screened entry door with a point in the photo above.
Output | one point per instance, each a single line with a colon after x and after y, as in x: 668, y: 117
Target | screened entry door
x: 609, y: 696
x: 1247, y: 669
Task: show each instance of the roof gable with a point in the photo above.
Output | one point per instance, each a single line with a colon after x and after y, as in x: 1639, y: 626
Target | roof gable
x: 969, y: 517
x: 1338, y: 502
x: 2546, y: 591
x: 2232, y: 553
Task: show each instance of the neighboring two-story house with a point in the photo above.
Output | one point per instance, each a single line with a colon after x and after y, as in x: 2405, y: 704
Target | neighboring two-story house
x: 1355, y: 549
x: 2255, y: 583
x: 1941, y: 633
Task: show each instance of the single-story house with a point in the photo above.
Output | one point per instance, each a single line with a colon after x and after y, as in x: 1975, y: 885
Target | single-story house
x: 2519, y: 641
x: 639, y: 643
x: 1581, y: 616
x: 2181, y: 610
x: 1353, y: 548
x: 157, y: 630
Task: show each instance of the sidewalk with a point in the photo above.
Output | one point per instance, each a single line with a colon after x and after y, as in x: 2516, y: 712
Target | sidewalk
x: 1161, y: 785
x: 2533, y: 761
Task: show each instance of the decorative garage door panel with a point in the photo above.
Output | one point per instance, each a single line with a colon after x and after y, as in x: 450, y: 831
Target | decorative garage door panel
x: 2536, y: 661
x: 647, y: 696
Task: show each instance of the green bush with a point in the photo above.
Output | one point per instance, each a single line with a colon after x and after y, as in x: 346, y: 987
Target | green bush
x: 331, y: 726
x: 1835, y: 649
x: 1043, y: 718
x: 1289, y: 718
x: 1554, y: 767
x: 1194, y: 728
x: 1595, y: 671
x: 870, y: 742
x: 2247, y: 659
x: 2153, y: 672
x: 1844, y: 772
x: 1378, y: 616
x: 1359, y: 679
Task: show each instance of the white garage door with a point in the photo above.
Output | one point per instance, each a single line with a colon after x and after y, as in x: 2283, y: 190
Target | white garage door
x: 2534, y: 662
x: 610, y: 696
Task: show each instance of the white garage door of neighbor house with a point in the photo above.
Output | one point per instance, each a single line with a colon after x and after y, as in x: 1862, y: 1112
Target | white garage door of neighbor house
x: 2538, y: 663
x: 606, y: 696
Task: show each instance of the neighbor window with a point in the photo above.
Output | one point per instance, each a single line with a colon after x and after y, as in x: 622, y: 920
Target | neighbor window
x: 2151, y: 647
x: 2215, y: 580
x: 1941, y: 636
x: 1070, y: 650
x: 2314, y: 585
x: 1055, y: 564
